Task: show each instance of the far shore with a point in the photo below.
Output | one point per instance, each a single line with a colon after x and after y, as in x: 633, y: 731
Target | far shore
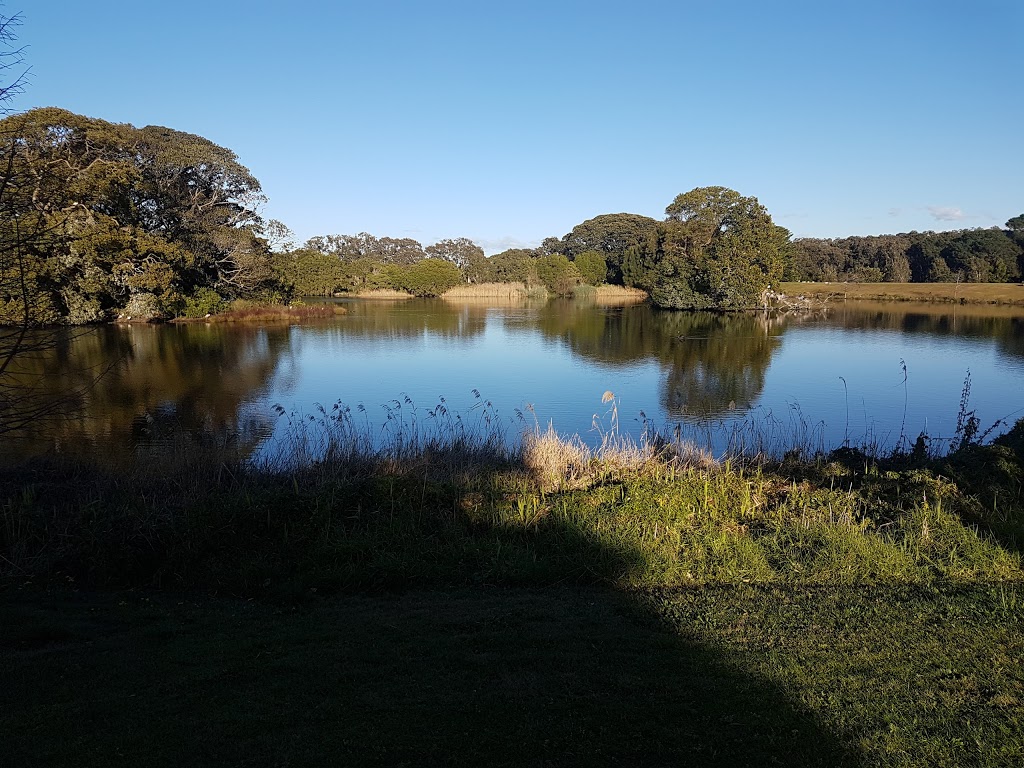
x: 1011, y: 294
x: 514, y: 292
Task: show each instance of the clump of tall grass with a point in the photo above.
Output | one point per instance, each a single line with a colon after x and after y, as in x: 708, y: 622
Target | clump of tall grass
x: 506, y: 291
x: 608, y: 295
x: 618, y: 294
x: 384, y: 293
x: 560, y: 462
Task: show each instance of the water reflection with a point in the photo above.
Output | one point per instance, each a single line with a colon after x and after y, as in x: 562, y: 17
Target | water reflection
x: 712, y: 363
x: 208, y: 382
x: 1005, y: 325
x: 122, y: 387
x: 383, y: 320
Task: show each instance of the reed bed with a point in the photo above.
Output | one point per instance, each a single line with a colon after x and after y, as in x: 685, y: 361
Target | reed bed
x: 503, y: 291
x: 618, y: 294
x: 388, y: 294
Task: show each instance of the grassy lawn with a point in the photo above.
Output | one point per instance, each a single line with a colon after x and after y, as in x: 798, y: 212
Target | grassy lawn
x: 458, y: 605
x: 970, y: 293
x: 712, y: 676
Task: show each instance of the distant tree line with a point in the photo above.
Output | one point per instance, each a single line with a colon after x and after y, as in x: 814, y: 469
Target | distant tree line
x: 972, y: 255
x: 715, y: 249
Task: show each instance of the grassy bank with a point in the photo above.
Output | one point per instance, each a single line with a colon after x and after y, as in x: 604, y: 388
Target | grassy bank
x: 450, y: 599
x: 965, y: 293
x: 439, y: 514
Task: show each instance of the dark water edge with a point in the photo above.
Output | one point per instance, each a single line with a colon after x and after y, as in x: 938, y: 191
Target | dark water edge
x: 862, y: 373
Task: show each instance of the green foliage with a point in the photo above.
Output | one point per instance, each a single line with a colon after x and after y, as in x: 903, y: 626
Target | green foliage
x: 515, y: 265
x: 592, y: 267
x: 312, y: 273
x: 429, y: 277
x: 974, y: 255
x: 384, y: 250
x: 557, y: 273
x: 204, y: 301
x: 114, y: 211
x: 612, y: 235
x: 715, y: 250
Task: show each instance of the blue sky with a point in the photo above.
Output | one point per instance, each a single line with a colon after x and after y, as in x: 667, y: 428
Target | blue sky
x: 510, y: 122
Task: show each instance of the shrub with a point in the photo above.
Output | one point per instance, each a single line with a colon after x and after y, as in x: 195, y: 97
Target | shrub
x: 205, y: 301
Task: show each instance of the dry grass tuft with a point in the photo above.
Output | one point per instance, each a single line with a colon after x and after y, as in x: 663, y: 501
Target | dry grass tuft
x: 516, y: 292
x: 618, y: 294
x: 384, y: 293
x: 560, y: 463
x: 556, y: 462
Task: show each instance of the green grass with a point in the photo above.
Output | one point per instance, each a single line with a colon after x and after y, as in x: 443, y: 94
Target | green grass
x: 965, y: 293
x: 458, y: 602
x: 730, y: 676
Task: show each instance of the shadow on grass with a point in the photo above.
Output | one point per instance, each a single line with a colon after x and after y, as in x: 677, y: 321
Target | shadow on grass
x: 481, y: 643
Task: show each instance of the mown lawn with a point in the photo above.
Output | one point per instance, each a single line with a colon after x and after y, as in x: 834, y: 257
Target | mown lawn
x: 732, y: 675
x: 466, y: 606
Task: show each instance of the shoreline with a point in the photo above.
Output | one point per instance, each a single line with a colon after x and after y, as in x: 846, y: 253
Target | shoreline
x: 995, y: 294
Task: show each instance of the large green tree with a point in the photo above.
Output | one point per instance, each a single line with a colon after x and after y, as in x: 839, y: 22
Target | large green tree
x: 464, y: 254
x: 136, y: 219
x: 611, y: 235
x: 716, y: 249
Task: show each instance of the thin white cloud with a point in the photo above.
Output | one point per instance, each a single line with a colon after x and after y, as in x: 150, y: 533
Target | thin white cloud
x: 946, y: 213
x: 895, y: 212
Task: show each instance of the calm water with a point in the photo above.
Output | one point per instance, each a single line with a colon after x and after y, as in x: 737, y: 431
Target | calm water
x: 866, y: 373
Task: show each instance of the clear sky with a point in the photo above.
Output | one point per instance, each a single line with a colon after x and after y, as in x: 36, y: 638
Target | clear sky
x: 510, y: 122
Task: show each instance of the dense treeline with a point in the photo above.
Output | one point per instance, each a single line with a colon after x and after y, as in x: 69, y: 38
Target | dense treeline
x: 99, y: 219
x: 715, y: 249
x: 972, y: 255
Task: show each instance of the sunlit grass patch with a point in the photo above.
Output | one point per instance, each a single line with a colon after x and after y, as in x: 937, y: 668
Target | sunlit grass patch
x: 972, y: 293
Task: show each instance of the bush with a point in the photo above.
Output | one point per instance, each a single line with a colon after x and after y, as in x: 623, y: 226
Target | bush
x: 429, y: 277
x: 557, y: 273
x: 205, y: 301
x: 592, y: 267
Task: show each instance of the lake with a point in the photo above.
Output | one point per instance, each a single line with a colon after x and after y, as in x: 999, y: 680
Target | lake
x: 858, y: 373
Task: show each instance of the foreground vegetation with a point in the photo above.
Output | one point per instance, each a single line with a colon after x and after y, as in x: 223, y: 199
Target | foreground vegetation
x: 441, y: 597
x: 725, y: 676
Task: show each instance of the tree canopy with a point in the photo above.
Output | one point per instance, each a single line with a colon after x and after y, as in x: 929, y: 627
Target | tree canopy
x: 135, y: 219
x: 716, y: 249
x: 971, y: 255
x: 611, y: 235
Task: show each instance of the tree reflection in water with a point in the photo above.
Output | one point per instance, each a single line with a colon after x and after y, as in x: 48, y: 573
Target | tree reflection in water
x: 123, y: 388
x: 214, y: 384
x: 714, y: 363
